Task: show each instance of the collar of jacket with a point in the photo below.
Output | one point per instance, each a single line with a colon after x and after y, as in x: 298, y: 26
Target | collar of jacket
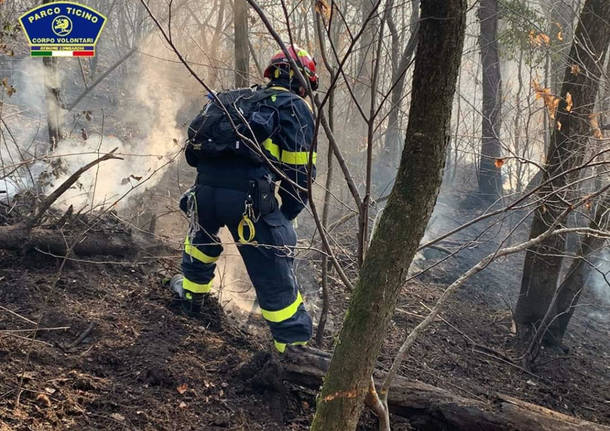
x: 286, y: 85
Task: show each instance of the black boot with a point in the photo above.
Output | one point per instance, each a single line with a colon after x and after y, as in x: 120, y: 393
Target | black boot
x: 190, y: 302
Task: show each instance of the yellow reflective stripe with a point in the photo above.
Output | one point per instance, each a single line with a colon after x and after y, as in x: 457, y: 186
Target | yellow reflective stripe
x: 284, y: 313
x: 281, y: 347
x: 273, y: 149
x: 279, y: 88
x: 193, y: 251
x: 298, y: 157
x: 193, y: 287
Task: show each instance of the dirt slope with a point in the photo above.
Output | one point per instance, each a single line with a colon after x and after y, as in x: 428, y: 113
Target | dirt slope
x: 144, y: 366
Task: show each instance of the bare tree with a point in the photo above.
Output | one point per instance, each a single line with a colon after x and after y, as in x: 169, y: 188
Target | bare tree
x: 490, y: 176
x: 240, y: 20
x: 567, y: 148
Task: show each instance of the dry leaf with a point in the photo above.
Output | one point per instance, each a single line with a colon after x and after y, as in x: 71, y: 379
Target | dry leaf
x: 558, y: 125
x: 84, y: 134
x: 44, y: 399
x: 588, y: 204
x: 135, y: 177
x: 50, y: 391
x: 499, y: 163
x: 575, y: 69
x: 182, y: 388
x: 560, y: 36
x: 323, y: 8
x: 550, y: 101
x: 569, y: 102
x: 539, y: 39
x: 182, y: 405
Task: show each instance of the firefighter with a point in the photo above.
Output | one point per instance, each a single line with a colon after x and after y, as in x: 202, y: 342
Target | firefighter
x: 222, y: 196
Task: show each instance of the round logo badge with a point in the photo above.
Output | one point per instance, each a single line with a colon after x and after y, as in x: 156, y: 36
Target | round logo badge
x: 62, y: 25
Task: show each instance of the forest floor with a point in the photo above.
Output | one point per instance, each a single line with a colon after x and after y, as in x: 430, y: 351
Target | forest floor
x: 112, y: 352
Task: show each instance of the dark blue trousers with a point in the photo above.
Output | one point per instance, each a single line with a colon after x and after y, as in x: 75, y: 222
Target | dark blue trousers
x: 268, y: 258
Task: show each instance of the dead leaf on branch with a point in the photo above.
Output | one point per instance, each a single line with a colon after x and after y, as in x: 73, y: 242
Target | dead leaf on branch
x: 322, y: 7
x: 550, y: 100
x: 499, y: 163
x: 182, y: 388
x: 558, y: 125
x: 539, y: 39
x: 575, y: 69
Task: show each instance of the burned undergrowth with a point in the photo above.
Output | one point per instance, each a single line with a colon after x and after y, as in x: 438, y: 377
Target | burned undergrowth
x: 102, y: 345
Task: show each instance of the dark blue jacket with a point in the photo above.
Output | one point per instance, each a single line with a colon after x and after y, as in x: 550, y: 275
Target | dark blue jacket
x: 291, y: 147
x: 286, y: 129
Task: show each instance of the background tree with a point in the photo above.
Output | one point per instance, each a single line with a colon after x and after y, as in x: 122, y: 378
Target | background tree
x: 240, y: 26
x: 569, y: 140
x: 490, y: 176
x: 404, y: 219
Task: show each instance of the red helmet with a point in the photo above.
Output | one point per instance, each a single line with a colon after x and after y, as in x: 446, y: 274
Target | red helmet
x: 301, y: 57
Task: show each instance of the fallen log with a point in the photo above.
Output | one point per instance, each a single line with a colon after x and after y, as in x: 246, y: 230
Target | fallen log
x: 20, y: 238
x: 431, y: 408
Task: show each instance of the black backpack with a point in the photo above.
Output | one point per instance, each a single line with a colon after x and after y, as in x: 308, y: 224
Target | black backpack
x: 233, y: 123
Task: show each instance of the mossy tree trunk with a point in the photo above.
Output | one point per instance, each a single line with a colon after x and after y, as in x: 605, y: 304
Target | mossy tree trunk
x: 571, y: 134
x: 404, y: 219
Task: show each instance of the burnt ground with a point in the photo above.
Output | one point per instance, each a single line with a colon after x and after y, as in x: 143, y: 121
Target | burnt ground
x: 144, y: 366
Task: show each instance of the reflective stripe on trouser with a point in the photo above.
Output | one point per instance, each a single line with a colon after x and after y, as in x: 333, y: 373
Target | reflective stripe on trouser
x: 198, y: 261
x: 270, y: 266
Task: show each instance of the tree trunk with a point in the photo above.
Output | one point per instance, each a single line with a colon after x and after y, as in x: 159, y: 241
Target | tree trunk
x: 572, y: 286
x: 490, y: 176
x: 52, y: 101
x: 568, y: 142
x: 431, y: 408
x: 56, y: 242
x: 404, y: 219
x: 242, y: 65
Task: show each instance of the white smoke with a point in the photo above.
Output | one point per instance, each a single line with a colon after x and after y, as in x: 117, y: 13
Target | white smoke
x: 599, y: 283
